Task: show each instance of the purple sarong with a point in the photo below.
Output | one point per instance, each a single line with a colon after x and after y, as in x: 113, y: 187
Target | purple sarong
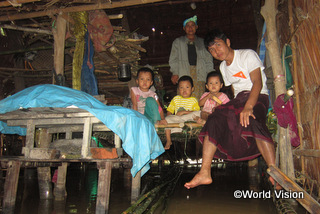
x: 235, y: 142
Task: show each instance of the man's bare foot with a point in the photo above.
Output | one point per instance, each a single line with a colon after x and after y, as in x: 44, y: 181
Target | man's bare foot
x: 198, y: 179
x: 168, y: 145
x: 273, y: 182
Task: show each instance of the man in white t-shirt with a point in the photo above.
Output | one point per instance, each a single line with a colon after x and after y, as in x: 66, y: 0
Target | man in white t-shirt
x: 236, y: 131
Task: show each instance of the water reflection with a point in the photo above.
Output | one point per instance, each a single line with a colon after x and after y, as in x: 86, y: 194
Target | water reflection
x: 82, y: 184
x: 81, y: 187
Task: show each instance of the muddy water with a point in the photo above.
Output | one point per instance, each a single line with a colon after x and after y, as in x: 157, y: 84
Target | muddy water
x: 219, y: 196
x: 82, y: 189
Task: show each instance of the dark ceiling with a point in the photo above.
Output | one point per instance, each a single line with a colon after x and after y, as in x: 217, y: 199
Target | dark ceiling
x: 240, y: 20
x: 235, y: 17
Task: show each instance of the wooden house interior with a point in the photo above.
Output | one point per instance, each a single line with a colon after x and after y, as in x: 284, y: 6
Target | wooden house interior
x: 40, y: 43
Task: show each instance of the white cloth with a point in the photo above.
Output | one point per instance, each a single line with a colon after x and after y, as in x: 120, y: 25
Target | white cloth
x: 238, y: 73
x: 181, y: 119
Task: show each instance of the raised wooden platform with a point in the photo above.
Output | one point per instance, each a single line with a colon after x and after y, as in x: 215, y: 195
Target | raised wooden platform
x: 13, y: 165
x: 45, y: 152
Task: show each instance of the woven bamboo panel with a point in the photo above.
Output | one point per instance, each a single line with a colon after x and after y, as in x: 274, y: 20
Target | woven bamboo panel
x: 305, y: 44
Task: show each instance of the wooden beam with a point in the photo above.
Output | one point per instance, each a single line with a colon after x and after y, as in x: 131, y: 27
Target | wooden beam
x: 59, y: 34
x: 269, y: 12
x: 309, y: 203
x: 11, y: 186
x: 108, y: 5
x: 16, y: 3
x: 33, y: 30
x: 104, y: 184
x: 307, y: 153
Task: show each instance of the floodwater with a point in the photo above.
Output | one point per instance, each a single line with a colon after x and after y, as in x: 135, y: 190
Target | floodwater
x: 215, y: 198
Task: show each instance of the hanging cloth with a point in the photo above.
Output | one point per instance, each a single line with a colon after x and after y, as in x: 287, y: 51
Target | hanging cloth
x: 88, y: 79
x: 100, y: 29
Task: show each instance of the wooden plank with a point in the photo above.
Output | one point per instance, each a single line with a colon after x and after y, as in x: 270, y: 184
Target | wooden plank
x: 35, y: 113
x: 104, y: 183
x: 87, y: 133
x: 4, y: 161
x: 307, y: 152
x: 16, y: 3
x: 309, y: 203
x: 11, y: 186
x: 55, y: 121
x: 52, y: 12
x: 59, y: 34
x: 117, y: 144
x: 44, y: 153
x: 44, y: 138
x: 78, y: 128
x: 44, y: 181
x: 29, y: 138
x: 135, y: 187
x: 60, y: 187
x: 179, y: 125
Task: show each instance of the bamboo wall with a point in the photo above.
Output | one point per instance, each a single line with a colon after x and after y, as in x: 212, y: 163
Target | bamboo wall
x: 298, y: 25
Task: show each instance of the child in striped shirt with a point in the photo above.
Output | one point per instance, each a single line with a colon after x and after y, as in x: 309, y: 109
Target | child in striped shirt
x: 182, y: 107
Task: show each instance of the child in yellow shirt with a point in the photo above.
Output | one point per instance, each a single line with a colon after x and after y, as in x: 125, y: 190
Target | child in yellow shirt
x: 182, y: 107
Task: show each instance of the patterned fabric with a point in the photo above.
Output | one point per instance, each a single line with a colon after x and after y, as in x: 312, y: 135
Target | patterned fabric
x: 199, y: 86
x: 235, y: 142
x: 188, y: 104
x: 100, y: 29
x: 210, y: 103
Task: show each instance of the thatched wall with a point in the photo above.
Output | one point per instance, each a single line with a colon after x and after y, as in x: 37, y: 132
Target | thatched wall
x: 298, y: 25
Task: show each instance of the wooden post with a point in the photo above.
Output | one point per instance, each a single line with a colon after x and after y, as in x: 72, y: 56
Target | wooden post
x: 44, y: 138
x: 31, y: 128
x: 87, y: 133
x: 11, y: 186
x: 59, y: 34
x: 45, y: 207
x: 268, y: 11
x: 309, y: 203
x: 104, y: 183
x: 117, y: 144
x: 60, y: 187
x: 135, y: 188
x: 44, y: 180
x: 44, y: 173
x: 295, y: 79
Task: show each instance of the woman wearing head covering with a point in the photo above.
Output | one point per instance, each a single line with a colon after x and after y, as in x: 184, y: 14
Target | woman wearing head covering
x: 189, y: 57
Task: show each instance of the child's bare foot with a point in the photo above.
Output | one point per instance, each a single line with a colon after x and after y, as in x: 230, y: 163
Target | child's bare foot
x: 168, y: 145
x: 196, y: 118
x: 273, y: 182
x: 201, y: 121
x: 198, y: 179
x: 161, y: 122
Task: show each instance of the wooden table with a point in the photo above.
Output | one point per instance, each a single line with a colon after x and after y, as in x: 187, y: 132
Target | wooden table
x: 60, y: 120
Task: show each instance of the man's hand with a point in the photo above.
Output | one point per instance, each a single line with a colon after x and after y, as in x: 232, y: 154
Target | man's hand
x: 174, y: 79
x: 244, y: 116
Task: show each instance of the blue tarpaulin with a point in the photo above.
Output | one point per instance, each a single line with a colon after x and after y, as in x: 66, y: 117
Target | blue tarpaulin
x: 139, y: 137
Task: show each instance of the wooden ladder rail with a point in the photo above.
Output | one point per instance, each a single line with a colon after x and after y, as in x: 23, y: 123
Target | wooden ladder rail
x: 307, y: 201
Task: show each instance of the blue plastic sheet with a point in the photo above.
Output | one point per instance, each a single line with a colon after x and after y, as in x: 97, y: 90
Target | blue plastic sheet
x: 138, y: 135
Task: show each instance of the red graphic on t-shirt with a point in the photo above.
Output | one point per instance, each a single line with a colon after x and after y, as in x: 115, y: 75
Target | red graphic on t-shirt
x: 240, y: 74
